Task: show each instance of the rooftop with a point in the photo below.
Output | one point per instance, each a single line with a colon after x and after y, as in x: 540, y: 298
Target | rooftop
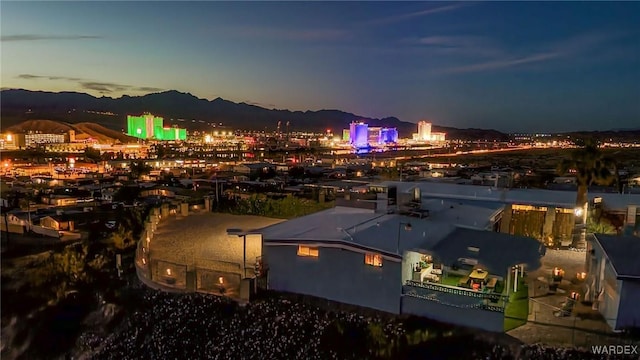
x: 541, y: 197
x: 380, y: 230
x: 497, y: 251
x: 622, y: 251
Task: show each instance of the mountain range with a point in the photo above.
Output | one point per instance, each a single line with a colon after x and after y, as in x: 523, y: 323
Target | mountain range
x: 186, y: 110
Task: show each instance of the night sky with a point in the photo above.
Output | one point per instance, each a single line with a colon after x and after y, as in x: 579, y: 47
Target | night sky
x: 512, y: 66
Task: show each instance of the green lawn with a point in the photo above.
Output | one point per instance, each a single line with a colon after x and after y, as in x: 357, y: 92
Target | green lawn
x: 517, y: 310
x: 452, y: 280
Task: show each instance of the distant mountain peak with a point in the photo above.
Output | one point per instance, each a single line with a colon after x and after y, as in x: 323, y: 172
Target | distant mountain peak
x: 21, y: 105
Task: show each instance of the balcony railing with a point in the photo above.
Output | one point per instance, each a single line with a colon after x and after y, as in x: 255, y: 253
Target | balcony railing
x: 480, y: 306
x: 493, y: 297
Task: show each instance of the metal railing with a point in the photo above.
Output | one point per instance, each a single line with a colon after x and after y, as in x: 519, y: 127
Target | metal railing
x: 480, y: 305
x: 458, y: 291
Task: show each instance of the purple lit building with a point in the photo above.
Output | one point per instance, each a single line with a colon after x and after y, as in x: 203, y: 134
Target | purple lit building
x: 358, y: 134
x: 388, y: 135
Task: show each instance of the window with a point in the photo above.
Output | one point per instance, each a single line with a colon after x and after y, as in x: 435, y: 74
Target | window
x: 373, y: 259
x: 307, y: 251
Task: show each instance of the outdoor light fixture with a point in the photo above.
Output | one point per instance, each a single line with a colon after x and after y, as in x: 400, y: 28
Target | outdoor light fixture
x: 221, y: 280
x: 578, y: 211
x: 168, y: 272
x: 581, y: 275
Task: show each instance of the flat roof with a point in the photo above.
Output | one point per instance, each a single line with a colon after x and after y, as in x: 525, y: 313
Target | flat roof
x: 623, y: 252
x: 541, y: 197
x: 381, y: 231
x: 462, y: 213
x: 496, y: 251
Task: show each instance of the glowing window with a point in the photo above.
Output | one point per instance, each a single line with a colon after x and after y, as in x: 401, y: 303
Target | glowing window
x: 307, y: 251
x: 373, y: 259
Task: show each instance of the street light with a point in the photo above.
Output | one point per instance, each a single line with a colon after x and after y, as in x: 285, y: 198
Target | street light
x: 407, y: 227
x: 243, y: 234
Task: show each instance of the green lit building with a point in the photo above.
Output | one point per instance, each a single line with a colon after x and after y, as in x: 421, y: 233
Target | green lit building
x: 152, y: 127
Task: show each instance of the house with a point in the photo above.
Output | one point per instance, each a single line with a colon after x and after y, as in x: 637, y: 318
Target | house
x: 546, y: 215
x: 254, y: 169
x: 158, y: 191
x: 57, y: 222
x: 613, y: 280
x: 441, y: 267
x: 61, y: 200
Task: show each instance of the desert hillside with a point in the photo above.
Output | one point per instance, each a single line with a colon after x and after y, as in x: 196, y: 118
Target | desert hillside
x: 83, y: 130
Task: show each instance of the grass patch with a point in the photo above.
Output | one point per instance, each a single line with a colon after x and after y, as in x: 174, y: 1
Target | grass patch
x: 517, y: 310
x: 452, y: 280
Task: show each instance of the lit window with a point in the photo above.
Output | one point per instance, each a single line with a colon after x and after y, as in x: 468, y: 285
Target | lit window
x: 307, y: 251
x: 373, y: 259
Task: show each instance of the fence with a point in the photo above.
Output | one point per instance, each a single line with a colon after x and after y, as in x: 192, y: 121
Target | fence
x: 169, y: 274
x: 576, y: 329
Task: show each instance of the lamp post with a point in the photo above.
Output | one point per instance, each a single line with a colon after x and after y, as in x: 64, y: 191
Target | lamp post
x: 243, y: 234
x: 407, y: 227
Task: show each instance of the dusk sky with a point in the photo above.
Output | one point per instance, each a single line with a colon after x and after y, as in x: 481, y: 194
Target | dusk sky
x: 512, y: 66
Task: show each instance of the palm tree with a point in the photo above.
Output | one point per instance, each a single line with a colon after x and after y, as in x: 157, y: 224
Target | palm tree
x: 138, y: 168
x: 590, y: 167
x: 600, y: 227
x: 6, y: 222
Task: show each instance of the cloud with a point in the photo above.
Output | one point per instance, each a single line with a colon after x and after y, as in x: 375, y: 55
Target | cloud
x: 148, y: 89
x: 460, y: 45
x: 103, y: 87
x: 266, y: 106
x: 501, y: 58
x: 100, y: 87
x: 36, y: 37
x: 402, y: 17
x: 32, y: 77
x: 501, y: 64
x: 290, y: 34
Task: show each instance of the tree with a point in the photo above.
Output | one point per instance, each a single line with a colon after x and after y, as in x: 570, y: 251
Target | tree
x: 92, y: 155
x: 590, y: 167
x: 138, y: 168
x: 161, y: 151
x: 600, y: 226
x: 6, y: 222
x: 296, y: 172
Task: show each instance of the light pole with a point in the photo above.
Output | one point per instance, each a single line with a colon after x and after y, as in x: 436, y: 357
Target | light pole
x: 243, y: 234
x: 407, y: 227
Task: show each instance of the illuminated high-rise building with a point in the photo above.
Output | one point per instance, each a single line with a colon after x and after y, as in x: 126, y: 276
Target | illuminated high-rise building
x: 424, y: 130
x: 148, y: 126
x: 373, y: 135
x: 359, y: 134
x: 388, y: 135
x: 345, y: 135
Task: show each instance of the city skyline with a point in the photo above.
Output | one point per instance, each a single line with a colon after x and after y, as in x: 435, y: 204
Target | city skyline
x: 515, y: 67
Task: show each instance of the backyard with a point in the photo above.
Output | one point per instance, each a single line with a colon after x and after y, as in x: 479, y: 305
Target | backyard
x: 517, y: 310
